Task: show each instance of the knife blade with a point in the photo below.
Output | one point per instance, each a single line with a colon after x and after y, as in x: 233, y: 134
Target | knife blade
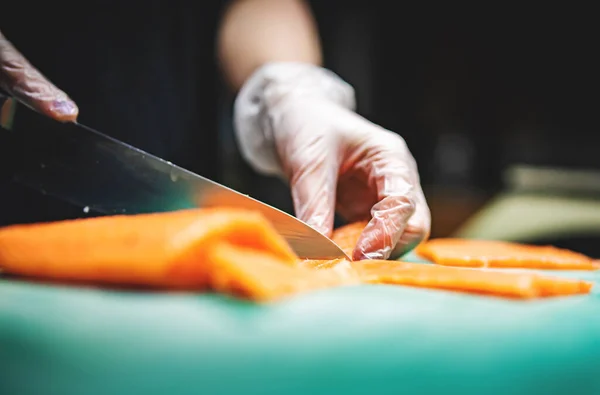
x: 85, y: 167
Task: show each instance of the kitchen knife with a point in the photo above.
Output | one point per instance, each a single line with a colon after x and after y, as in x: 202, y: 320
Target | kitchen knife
x: 80, y: 165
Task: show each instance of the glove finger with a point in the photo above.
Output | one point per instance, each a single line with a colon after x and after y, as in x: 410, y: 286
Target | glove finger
x: 313, y: 186
x: 394, y: 227
x: 381, y: 235
x: 19, y: 78
x: 417, y: 229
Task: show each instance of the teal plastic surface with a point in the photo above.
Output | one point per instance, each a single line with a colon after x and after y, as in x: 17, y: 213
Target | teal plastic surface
x: 367, y: 339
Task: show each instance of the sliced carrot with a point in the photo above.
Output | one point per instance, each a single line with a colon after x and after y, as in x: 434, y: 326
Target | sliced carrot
x: 322, y: 264
x: 501, y: 254
x: 347, y: 236
x: 232, y: 251
x: 163, y: 249
x: 259, y: 276
x: 516, y: 285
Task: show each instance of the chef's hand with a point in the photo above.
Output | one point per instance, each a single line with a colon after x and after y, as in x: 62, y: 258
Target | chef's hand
x: 24, y: 82
x: 298, y: 121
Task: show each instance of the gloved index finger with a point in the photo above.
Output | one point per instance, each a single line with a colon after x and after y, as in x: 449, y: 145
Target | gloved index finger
x: 379, y: 239
x: 392, y: 228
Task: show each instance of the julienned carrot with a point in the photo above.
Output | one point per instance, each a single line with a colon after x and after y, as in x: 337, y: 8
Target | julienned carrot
x: 501, y: 254
x: 163, y: 249
x: 516, y: 285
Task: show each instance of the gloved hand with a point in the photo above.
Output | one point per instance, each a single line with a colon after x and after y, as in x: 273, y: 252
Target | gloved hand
x: 298, y: 121
x: 23, y: 81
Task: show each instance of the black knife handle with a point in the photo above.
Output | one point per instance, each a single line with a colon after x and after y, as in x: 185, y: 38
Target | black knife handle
x: 7, y: 110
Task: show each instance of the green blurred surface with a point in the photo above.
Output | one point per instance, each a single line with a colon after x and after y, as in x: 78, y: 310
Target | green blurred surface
x: 367, y: 339
x: 522, y: 217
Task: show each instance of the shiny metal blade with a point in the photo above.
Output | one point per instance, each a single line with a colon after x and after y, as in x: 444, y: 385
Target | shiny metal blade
x: 85, y: 167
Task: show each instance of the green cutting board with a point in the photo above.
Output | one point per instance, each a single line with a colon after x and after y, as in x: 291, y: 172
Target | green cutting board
x: 366, y: 339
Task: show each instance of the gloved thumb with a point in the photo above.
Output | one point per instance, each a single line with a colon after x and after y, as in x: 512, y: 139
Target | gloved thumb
x: 23, y: 81
x: 313, y: 181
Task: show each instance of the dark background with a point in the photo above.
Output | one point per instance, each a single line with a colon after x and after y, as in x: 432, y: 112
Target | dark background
x: 471, y: 93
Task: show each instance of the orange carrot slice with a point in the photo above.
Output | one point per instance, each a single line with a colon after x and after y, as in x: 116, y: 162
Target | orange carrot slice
x: 347, y: 236
x: 501, y: 254
x: 259, y: 276
x: 322, y: 264
x: 163, y: 249
x: 516, y: 285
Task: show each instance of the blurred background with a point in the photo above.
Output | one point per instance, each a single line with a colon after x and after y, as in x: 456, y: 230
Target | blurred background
x: 497, y: 111
x: 498, y: 107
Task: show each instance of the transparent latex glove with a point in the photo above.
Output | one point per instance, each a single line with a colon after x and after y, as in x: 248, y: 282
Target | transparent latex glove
x: 23, y: 81
x: 298, y: 121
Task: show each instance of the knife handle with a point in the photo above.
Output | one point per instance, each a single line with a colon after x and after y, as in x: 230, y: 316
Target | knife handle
x: 3, y: 96
x: 8, y: 106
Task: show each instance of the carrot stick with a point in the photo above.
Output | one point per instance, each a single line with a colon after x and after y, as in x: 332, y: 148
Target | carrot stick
x: 516, y: 285
x: 501, y: 254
